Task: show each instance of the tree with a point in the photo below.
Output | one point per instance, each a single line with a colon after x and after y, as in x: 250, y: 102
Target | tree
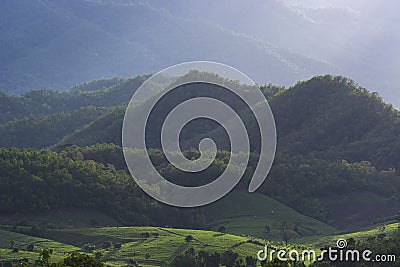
x: 213, y: 260
x: 12, y: 244
x: 133, y: 263
x: 44, y: 258
x: 228, y: 258
x: 184, y: 261
x: 189, y: 238
x: 222, y: 229
x: 145, y: 235
x: 89, y: 247
x: 204, y: 259
x: 30, y: 247
x: 285, y: 229
x: 78, y: 259
x: 275, y: 263
x: 107, y: 244
x: 156, y: 234
x: 250, y: 261
x: 98, y: 255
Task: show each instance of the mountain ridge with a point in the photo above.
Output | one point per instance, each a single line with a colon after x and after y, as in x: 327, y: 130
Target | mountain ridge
x: 125, y: 44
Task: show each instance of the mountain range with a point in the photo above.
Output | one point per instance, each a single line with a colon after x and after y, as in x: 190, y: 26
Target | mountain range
x: 332, y: 133
x: 56, y: 44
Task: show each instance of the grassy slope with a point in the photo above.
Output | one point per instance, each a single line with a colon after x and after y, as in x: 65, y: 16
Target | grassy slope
x: 170, y: 243
x: 255, y: 212
x: 321, y: 240
x: 21, y: 242
x: 163, y: 248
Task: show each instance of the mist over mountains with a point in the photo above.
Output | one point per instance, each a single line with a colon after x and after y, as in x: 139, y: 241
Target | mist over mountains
x: 57, y: 44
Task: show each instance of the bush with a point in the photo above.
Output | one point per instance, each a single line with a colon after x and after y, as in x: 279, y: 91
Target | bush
x: 189, y: 238
x: 222, y: 229
x: 133, y: 263
x: 30, y: 247
x: 250, y: 261
x: 228, y: 258
x: 107, y: 244
x: 98, y: 255
x: 78, y: 259
x: 144, y: 235
x: 89, y: 247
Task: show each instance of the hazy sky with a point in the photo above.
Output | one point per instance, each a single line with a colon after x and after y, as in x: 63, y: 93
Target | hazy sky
x: 373, y: 37
x: 278, y: 41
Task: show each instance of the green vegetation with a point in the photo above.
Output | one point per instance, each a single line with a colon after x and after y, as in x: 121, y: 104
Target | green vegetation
x: 105, y: 129
x: 333, y: 118
x: 22, y: 241
x: 258, y: 213
x: 146, y: 245
x: 46, y: 102
x: 154, y: 246
x: 46, y: 130
x: 325, y: 169
x: 335, y: 171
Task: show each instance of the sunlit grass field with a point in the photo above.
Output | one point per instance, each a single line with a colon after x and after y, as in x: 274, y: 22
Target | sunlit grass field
x: 155, y: 246
x: 264, y: 211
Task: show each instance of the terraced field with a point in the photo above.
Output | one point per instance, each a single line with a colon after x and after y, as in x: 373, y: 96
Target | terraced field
x: 155, y: 246
x: 150, y: 246
x: 256, y: 212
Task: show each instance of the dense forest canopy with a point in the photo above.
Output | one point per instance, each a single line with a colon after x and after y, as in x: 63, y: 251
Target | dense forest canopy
x: 333, y: 136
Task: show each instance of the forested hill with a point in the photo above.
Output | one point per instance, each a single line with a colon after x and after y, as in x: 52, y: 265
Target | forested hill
x: 334, y: 118
x: 100, y: 93
x: 333, y: 136
x: 329, y: 117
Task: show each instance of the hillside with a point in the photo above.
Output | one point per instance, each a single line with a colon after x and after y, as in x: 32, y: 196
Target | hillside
x: 104, y: 129
x: 334, y: 118
x: 330, y: 136
x: 325, y: 177
x: 53, y: 184
x: 187, y: 133
x: 149, y: 246
x: 22, y: 241
x: 45, y: 102
x: 155, y: 246
x: 329, y: 117
x: 46, y: 130
x: 256, y: 212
